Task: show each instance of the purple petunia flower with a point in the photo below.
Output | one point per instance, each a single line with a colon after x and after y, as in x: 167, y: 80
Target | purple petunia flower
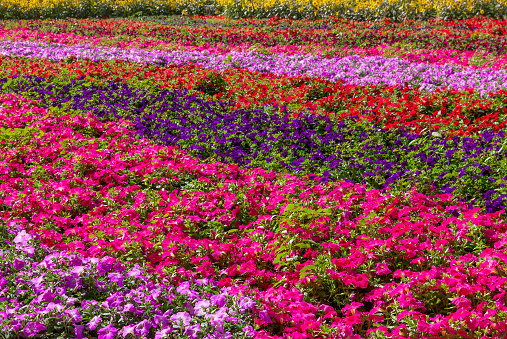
x: 18, y: 264
x: 184, y: 288
x: 200, y: 307
x: 94, y: 322
x: 135, y: 272
x: 117, y: 278
x: 78, y: 331
x: 70, y: 301
x: 181, y: 318
x: 129, y: 329
x: 101, y: 286
x: 74, y: 315
x: 32, y: 328
x: 115, y: 300
x: 142, y: 328
x: 163, y: 333
x: 22, y: 238
x: 192, y: 331
x: 47, y: 296
x: 160, y: 320
x: 201, y: 282
x: 76, y: 261
x: 108, y: 332
x: 78, y: 270
x: 217, y: 319
x: 16, y: 325
x: 249, y: 330
x: 72, y: 281
x: 219, y: 299
x: 245, y: 303
x: 104, y: 267
x: 263, y: 315
x: 129, y: 308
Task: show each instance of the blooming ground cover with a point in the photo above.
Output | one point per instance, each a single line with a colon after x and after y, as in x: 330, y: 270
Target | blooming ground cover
x: 203, y: 177
x: 296, y: 9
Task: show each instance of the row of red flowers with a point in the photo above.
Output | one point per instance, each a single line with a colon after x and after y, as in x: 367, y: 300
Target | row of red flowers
x: 450, y: 111
x: 469, y: 34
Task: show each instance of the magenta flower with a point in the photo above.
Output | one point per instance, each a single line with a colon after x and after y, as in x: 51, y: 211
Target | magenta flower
x: 192, y: 331
x: 163, y: 333
x: 219, y: 300
x: 129, y: 308
x: 249, y: 330
x: 264, y: 316
x: 352, y: 308
x: 94, y: 322
x: 47, y: 296
x: 245, y: 303
x: 108, y: 332
x: 184, y: 288
x: 76, y: 261
x: 33, y: 328
x: 104, y: 267
x: 200, y: 307
x: 18, y: 264
x: 129, y: 329
x: 382, y: 268
x: 135, y: 272
x: 117, y: 278
x: 115, y: 300
x: 72, y: 281
x: 22, y: 238
x: 142, y: 328
x: 181, y: 318
x: 462, y: 302
x: 78, y: 331
x: 74, y: 315
x: 200, y: 282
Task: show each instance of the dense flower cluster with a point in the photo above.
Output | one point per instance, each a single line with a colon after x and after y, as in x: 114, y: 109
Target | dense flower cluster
x: 449, y: 111
x: 481, y: 34
x: 357, y: 9
x: 89, y: 187
x: 210, y: 178
x: 45, y: 293
x: 306, y: 144
x: 353, y: 70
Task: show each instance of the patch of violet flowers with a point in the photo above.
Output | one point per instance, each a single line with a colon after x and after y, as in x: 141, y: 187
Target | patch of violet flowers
x: 51, y: 294
x: 468, y: 167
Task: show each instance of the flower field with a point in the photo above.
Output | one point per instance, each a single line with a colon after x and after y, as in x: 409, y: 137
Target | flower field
x: 207, y: 177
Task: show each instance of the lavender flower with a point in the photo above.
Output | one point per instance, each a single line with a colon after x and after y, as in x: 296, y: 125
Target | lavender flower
x: 147, y: 309
x: 374, y: 70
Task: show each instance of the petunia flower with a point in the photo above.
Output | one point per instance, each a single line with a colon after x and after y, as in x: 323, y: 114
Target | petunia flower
x: 264, y: 316
x: 78, y: 331
x: 108, y: 332
x: 94, y: 322
x: 74, y: 315
x: 164, y: 333
x: 116, y: 278
x: 33, y: 328
x: 181, y: 318
x: 192, y: 331
x: 200, y: 307
x: 142, y: 328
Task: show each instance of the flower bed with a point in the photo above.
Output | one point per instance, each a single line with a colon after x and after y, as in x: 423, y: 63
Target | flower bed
x: 448, y: 111
x: 338, y: 243
x: 48, y: 293
x: 308, y: 144
x: 149, y: 197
